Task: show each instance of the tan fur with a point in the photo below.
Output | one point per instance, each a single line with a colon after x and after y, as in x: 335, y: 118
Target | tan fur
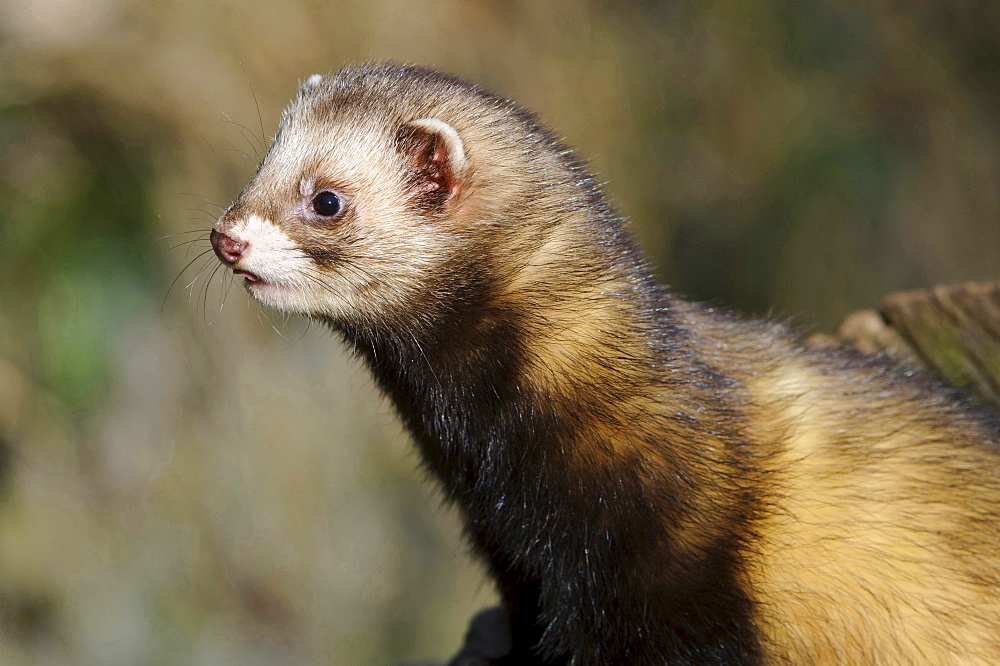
x: 857, y: 561
x: 880, y: 542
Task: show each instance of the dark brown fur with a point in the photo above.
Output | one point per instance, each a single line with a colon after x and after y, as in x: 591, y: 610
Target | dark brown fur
x: 649, y: 481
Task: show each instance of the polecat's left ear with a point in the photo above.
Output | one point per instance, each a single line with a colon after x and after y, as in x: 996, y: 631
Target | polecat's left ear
x: 436, y: 156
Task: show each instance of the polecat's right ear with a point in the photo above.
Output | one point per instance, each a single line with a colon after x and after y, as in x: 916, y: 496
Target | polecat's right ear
x: 310, y: 83
x: 435, y: 155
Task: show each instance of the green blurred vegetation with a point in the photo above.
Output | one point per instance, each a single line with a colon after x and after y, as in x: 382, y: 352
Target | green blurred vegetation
x: 77, y: 196
x: 187, y: 479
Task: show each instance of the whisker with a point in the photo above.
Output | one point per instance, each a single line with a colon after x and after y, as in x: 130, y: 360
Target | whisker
x: 190, y: 284
x: 204, y: 200
x: 222, y: 171
x: 345, y: 263
x: 207, y: 213
x: 204, y: 295
x: 304, y: 331
x: 187, y: 252
x: 244, y: 131
x: 164, y: 304
x: 180, y: 233
x: 358, y: 269
x: 271, y: 324
x: 316, y: 278
x: 188, y: 243
x: 244, y: 154
x: 256, y: 104
x: 224, y: 288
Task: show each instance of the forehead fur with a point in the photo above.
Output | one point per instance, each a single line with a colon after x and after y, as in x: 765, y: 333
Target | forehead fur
x: 370, y: 101
x: 343, y: 125
x: 390, y: 92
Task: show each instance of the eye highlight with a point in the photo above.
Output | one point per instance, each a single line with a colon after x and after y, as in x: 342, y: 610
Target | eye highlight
x: 326, y: 204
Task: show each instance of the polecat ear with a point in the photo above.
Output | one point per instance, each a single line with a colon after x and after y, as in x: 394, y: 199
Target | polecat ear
x: 436, y: 157
x: 311, y: 82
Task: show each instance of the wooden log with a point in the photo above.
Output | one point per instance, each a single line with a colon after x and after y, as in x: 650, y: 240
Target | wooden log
x: 954, y: 330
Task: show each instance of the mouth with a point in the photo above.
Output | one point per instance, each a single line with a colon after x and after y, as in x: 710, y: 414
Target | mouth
x: 251, y: 278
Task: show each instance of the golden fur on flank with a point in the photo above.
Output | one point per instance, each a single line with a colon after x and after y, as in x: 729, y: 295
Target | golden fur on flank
x: 649, y: 481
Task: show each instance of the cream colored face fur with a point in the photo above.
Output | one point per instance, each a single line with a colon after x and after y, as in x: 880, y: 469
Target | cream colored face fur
x: 371, y: 258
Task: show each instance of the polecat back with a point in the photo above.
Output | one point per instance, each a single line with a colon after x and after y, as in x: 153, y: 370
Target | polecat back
x: 649, y: 482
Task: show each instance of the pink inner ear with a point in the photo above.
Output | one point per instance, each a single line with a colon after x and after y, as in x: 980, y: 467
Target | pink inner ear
x: 437, y: 174
x: 433, y: 177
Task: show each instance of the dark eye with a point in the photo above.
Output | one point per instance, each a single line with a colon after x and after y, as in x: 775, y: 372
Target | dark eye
x: 326, y: 204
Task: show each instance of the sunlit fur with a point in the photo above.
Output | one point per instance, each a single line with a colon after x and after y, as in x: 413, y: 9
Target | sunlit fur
x: 649, y: 481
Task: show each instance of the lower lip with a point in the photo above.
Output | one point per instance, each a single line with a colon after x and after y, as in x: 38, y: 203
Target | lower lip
x: 250, y: 277
x: 258, y: 286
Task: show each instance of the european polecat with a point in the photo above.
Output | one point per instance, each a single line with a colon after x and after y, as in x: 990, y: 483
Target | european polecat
x: 649, y: 481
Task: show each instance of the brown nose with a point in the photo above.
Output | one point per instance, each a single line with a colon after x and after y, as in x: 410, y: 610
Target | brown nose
x: 229, y: 250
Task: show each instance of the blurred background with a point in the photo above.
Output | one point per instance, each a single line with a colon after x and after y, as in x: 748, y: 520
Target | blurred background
x: 186, y: 478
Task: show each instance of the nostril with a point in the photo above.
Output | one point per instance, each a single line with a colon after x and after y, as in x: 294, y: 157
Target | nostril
x: 228, y: 249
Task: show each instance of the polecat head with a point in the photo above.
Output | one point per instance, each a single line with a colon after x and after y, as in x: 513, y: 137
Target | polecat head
x: 382, y: 181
